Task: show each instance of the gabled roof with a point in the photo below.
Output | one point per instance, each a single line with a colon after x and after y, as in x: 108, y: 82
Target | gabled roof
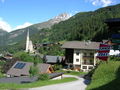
x: 25, y: 69
x: 18, y: 72
x: 53, y: 59
x: 81, y: 45
x: 43, y: 67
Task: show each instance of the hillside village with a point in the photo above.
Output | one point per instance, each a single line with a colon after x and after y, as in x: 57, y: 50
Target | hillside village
x: 47, y: 61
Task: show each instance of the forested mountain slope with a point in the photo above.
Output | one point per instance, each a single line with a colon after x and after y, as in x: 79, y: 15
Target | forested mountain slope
x: 85, y: 25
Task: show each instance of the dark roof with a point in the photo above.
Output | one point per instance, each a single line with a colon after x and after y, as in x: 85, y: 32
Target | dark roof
x: 18, y: 80
x: 112, y: 20
x: 53, y: 59
x: 56, y: 74
x: 27, y: 79
x: 25, y: 70
x: 81, y: 45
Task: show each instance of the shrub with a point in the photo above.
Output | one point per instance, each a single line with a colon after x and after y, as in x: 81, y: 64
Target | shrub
x: 1, y: 75
x: 23, y: 56
x: 114, y: 58
x: 57, y: 67
x: 33, y: 71
x: 43, y: 77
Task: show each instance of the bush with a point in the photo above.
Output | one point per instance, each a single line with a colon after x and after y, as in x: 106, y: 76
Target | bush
x: 57, y: 67
x: 23, y: 56
x: 33, y: 71
x: 114, y: 58
x: 43, y: 77
x: 1, y: 75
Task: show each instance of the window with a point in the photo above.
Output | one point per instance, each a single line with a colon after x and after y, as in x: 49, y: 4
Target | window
x: 91, y: 54
x: 85, y: 54
x: 90, y: 67
x: 77, y: 60
x: 91, y: 61
x: 77, y: 53
x: 85, y: 61
x: 84, y: 67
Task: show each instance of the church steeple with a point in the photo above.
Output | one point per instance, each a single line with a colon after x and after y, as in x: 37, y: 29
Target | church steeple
x: 27, y: 41
x: 29, y: 45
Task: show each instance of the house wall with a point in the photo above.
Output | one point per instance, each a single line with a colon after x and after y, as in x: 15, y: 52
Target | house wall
x: 77, y: 57
x: 50, y: 70
x: 86, y: 59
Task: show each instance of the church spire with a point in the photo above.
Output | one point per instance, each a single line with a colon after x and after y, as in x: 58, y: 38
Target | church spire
x: 27, y: 41
x: 29, y: 45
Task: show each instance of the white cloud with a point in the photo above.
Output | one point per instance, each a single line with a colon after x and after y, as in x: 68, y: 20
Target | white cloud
x: 7, y: 27
x: 102, y: 3
x: 23, y: 26
x: 106, y: 2
x: 4, y: 25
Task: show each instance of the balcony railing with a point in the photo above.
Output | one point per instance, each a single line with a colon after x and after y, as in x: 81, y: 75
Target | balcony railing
x: 88, y: 57
x: 88, y: 63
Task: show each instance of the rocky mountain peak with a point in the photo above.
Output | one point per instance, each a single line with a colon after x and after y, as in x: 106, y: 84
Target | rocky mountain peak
x: 61, y: 17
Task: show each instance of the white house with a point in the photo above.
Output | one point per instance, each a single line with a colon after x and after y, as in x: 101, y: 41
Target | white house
x: 81, y: 55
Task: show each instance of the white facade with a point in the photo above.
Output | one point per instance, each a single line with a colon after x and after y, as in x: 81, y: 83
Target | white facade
x: 77, y: 57
x: 114, y: 52
x: 86, y: 59
x: 29, y: 45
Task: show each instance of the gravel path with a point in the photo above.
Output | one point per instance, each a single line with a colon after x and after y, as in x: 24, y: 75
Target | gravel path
x: 75, y: 85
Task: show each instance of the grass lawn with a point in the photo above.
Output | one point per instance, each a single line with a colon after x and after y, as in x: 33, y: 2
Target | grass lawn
x: 36, y: 84
x: 72, y: 72
x: 106, y: 77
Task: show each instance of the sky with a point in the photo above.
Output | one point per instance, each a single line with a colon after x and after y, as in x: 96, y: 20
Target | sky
x: 15, y: 14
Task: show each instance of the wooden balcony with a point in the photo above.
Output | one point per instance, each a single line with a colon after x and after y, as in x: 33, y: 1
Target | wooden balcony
x: 87, y: 63
x: 88, y: 57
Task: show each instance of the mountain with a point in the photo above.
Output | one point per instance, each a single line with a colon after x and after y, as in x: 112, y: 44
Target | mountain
x: 20, y: 34
x: 55, y: 20
x: 85, y: 25
x: 82, y: 26
x: 3, y: 36
x: 2, y: 32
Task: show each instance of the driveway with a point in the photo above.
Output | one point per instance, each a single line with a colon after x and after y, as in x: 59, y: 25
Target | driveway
x: 75, y: 85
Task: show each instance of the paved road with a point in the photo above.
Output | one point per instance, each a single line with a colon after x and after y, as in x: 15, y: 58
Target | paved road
x: 75, y: 85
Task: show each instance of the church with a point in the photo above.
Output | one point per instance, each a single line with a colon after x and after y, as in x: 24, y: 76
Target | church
x: 29, y: 44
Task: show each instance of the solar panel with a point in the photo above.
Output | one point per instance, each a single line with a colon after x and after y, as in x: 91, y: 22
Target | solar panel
x: 19, y: 65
